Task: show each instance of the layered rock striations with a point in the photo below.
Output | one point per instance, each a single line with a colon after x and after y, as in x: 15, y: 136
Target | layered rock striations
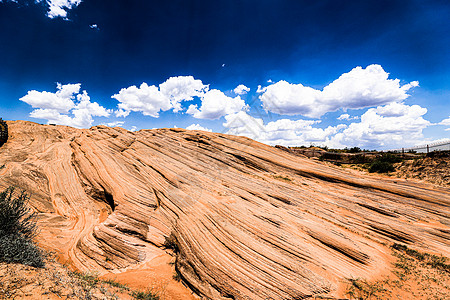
x: 245, y: 220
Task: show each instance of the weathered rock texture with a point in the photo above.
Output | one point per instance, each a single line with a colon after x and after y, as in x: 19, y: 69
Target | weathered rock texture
x: 248, y: 221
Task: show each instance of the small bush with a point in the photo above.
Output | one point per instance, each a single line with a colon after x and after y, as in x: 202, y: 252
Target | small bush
x: 381, y: 167
x: 171, y: 243
x: 17, y: 230
x: 148, y: 295
x: 384, y: 163
x: 389, y: 157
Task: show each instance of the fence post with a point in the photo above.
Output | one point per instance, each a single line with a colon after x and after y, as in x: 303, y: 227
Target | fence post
x: 428, y: 149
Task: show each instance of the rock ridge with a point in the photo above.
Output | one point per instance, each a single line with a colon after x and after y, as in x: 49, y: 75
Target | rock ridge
x: 245, y: 220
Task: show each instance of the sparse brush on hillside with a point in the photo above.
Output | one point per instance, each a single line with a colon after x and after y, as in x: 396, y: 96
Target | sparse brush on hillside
x: 17, y: 230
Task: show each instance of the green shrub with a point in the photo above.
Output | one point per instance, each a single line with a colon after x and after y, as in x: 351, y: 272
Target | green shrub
x: 389, y: 157
x: 381, y: 167
x: 17, y: 230
x: 384, y: 163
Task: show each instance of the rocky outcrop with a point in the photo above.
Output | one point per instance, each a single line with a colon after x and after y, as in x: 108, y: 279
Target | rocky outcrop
x: 245, y: 220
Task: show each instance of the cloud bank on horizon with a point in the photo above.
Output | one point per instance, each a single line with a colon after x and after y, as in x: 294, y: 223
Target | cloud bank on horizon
x: 387, y: 122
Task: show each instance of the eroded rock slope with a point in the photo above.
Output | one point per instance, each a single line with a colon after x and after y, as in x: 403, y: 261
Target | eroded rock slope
x: 247, y: 221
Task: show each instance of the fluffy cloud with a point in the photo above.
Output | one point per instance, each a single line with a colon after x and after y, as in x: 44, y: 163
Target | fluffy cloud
x: 56, y: 8
x: 356, y: 89
x: 198, y: 127
x: 115, y: 124
x: 60, y: 102
x: 182, y: 88
x: 281, y: 132
x: 216, y: 104
x: 347, y: 117
x: 241, y: 90
x: 445, y: 122
x: 260, y: 89
x: 65, y: 107
x: 390, y: 126
x: 147, y: 99
x: 59, y: 8
x: 150, y: 100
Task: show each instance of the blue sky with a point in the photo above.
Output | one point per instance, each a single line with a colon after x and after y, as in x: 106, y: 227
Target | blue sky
x: 373, y: 74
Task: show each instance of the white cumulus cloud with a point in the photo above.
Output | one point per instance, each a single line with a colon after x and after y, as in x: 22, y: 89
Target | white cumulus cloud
x: 150, y: 100
x: 445, y: 122
x: 56, y: 8
x: 198, y: 127
x: 281, y: 132
x: 390, y: 126
x: 61, y: 101
x: 216, y: 104
x: 115, y: 124
x: 147, y: 99
x: 356, y: 89
x: 347, y: 117
x: 67, y: 106
x: 241, y: 90
x: 182, y: 88
x: 59, y: 8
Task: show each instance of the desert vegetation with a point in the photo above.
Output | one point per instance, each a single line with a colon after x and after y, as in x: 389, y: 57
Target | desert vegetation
x: 26, y: 271
x: 17, y: 230
x: 384, y: 163
x: 55, y: 281
x: 432, y: 167
x: 415, y: 275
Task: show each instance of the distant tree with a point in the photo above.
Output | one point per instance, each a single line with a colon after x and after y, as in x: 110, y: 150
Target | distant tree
x: 354, y: 150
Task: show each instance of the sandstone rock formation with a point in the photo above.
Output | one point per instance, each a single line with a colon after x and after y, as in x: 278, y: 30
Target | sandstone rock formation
x: 246, y: 220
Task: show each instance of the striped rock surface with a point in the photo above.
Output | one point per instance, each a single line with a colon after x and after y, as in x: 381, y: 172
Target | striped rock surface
x: 245, y: 220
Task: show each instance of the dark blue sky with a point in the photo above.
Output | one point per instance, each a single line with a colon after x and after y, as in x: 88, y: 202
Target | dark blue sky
x: 307, y: 42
